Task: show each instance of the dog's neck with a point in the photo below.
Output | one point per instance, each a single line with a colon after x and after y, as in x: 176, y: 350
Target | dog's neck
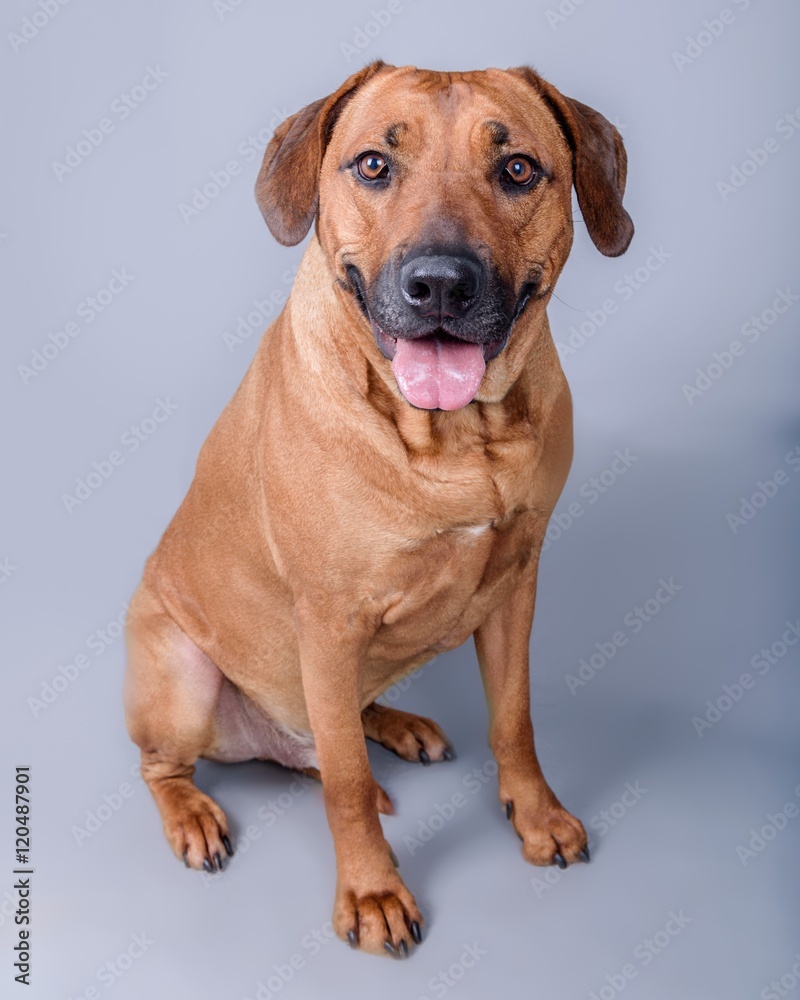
x: 336, y: 351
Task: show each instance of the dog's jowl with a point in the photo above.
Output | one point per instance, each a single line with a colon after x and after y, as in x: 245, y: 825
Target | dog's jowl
x: 379, y: 486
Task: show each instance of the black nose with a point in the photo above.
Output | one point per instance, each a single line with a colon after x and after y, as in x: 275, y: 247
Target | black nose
x: 441, y: 286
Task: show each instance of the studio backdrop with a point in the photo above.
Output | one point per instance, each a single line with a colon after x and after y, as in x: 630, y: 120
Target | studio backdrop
x: 138, y: 278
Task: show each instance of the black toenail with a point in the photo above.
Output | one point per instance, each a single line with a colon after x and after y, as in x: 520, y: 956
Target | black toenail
x: 448, y: 753
x: 207, y: 865
x: 390, y: 948
x: 416, y: 933
x: 351, y: 938
x: 509, y: 809
x: 228, y: 846
x: 423, y: 756
x: 403, y: 949
x: 584, y: 855
x: 559, y: 860
x: 218, y: 862
x: 393, y: 856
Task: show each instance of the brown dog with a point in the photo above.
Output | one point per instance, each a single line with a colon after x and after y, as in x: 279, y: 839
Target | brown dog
x: 379, y: 486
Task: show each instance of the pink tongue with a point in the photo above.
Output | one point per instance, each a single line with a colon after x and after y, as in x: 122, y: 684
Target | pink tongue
x: 439, y: 373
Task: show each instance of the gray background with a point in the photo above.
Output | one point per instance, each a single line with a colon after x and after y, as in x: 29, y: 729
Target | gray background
x: 67, y: 574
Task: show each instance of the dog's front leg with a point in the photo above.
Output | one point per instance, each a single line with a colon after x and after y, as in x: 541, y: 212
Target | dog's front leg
x: 373, y: 908
x: 549, y: 834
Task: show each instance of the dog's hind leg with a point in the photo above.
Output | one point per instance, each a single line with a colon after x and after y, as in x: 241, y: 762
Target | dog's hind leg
x: 171, y: 693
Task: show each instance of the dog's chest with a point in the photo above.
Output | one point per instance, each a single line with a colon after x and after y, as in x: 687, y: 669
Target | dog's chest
x: 438, y: 591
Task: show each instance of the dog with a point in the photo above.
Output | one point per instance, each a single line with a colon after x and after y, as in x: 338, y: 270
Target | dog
x: 378, y: 488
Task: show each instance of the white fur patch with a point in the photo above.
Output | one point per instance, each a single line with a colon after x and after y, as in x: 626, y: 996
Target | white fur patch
x: 477, y: 529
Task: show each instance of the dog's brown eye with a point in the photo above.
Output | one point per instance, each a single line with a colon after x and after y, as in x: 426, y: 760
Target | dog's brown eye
x: 373, y: 167
x: 520, y: 170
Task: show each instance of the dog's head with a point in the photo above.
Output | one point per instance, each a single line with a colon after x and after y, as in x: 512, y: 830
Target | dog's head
x: 443, y: 204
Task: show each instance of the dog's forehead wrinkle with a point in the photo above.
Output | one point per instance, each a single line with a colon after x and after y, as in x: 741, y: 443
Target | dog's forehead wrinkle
x: 426, y: 94
x: 432, y: 114
x: 498, y: 132
x: 394, y: 133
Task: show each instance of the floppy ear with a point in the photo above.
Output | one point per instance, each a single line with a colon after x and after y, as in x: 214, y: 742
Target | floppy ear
x: 599, y: 167
x: 287, y: 189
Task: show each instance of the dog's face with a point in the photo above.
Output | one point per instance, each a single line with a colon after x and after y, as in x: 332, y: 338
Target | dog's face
x: 443, y: 204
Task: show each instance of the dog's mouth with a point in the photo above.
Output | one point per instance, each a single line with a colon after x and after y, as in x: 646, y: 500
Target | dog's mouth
x: 438, y: 371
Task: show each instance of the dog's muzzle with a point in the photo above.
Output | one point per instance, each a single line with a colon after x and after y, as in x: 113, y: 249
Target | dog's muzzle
x: 439, y: 317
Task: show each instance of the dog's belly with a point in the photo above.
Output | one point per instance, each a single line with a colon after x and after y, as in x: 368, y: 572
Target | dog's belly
x: 244, y: 731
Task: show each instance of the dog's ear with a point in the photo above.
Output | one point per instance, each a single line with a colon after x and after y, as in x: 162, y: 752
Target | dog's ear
x: 599, y: 166
x: 287, y: 189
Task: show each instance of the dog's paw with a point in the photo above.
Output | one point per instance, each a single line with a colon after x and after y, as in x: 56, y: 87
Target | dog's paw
x: 196, y: 829
x: 382, y: 921
x: 412, y: 737
x: 550, y: 835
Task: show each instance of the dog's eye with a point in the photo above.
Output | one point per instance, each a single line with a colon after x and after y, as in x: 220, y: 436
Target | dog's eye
x: 521, y: 171
x: 373, y: 167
